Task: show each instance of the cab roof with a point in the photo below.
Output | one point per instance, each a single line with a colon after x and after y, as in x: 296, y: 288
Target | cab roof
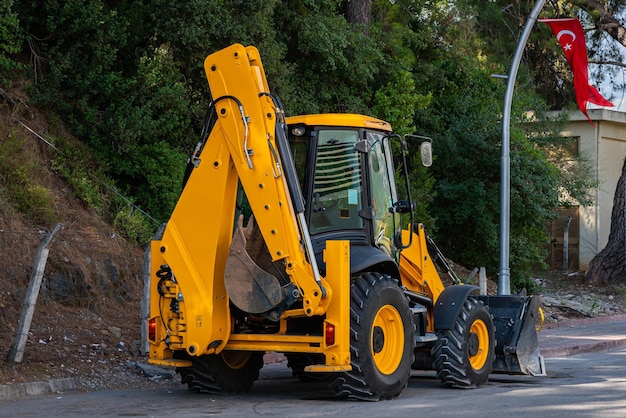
x: 340, y: 119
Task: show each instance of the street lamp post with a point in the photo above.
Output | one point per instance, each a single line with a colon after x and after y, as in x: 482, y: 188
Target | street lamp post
x: 504, y: 276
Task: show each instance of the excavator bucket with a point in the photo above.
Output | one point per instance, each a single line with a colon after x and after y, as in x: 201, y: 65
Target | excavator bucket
x: 515, y: 319
x: 250, y: 287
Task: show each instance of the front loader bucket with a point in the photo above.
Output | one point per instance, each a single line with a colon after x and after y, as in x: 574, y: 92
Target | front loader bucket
x: 515, y: 322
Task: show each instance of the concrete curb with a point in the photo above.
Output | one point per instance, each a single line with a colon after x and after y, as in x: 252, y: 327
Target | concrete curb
x: 585, y: 321
x: 568, y: 338
x: 592, y: 347
x: 21, y: 390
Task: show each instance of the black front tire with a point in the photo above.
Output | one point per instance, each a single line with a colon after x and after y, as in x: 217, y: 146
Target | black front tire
x: 227, y: 372
x: 463, y: 356
x: 381, y: 340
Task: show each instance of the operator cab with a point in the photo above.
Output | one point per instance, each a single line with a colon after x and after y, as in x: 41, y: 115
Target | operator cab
x: 346, y: 173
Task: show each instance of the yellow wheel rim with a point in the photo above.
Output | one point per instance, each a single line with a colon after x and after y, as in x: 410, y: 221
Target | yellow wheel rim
x: 479, y: 358
x: 387, y: 339
x: 236, y: 359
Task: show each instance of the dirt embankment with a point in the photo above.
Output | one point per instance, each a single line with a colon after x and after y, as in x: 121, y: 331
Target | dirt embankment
x: 87, y: 317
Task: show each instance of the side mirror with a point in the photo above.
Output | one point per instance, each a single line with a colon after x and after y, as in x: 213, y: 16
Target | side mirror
x: 426, y: 148
x: 426, y: 151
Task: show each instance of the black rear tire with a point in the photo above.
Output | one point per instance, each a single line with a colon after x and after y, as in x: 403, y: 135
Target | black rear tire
x: 227, y: 372
x: 381, y: 340
x: 463, y: 356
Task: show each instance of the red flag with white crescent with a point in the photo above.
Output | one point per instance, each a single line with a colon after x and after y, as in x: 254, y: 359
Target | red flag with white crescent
x: 570, y: 35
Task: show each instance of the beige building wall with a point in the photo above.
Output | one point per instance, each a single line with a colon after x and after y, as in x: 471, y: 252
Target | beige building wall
x: 604, y: 146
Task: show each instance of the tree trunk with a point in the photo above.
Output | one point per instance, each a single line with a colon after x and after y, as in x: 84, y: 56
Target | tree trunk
x: 359, y: 12
x: 608, y: 265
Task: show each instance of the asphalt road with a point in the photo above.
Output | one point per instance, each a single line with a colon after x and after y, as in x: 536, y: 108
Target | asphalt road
x: 586, y: 385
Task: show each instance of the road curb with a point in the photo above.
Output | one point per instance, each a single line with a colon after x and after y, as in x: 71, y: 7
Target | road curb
x: 592, y: 347
x: 585, y: 321
x: 21, y: 390
x: 580, y: 336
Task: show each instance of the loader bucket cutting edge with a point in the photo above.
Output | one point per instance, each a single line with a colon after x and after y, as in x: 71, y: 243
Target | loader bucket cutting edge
x: 517, y: 344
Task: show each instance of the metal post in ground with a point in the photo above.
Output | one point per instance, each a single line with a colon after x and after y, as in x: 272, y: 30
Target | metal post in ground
x: 30, y: 300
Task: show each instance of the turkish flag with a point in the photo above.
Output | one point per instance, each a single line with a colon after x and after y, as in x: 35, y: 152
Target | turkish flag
x: 570, y: 35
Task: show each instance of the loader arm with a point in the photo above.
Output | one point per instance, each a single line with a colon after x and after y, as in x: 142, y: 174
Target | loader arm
x: 241, y: 148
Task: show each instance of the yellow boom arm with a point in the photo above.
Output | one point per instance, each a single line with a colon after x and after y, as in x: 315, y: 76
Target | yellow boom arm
x: 241, y: 148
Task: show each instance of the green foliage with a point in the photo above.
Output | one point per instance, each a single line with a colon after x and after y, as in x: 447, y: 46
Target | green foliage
x: 134, y: 225
x: 128, y: 78
x: 464, y: 121
x: 11, y: 38
x: 156, y: 171
x: 394, y: 98
x: 333, y: 67
x: 126, y: 99
x: 71, y: 162
x: 75, y: 163
x: 17, y: 184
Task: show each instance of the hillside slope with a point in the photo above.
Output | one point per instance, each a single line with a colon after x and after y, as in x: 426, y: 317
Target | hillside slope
x: 87, y: 318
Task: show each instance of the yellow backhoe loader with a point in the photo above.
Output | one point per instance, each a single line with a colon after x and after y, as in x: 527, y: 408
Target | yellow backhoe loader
x: 323, y: 270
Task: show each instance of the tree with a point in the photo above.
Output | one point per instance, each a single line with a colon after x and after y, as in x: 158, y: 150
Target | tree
x: 610, y: 263
x: 127, y: 78
x: 499, y: 22
x: 10, y: 40
x: 464, y: 121
x: 604, y: 17
x: 359, y: 12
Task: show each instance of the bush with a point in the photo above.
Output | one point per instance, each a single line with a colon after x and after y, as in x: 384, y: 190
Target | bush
x: 11, y: 38
x: 134, y: 225
x: 464, y: 121
x: 70, y: 163
x: 18, y: 182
